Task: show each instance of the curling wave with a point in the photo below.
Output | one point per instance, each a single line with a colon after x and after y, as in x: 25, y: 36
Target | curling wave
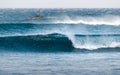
x: 60, y: 42
x: 51, y: 42
x: 60, y: 29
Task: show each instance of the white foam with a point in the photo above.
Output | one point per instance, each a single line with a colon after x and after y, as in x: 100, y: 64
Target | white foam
x: 103, y: 20
x: 93, y: 46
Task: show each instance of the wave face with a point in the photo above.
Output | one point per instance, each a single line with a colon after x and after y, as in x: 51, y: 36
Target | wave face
x: 42, y: 43
x: 60, y: 29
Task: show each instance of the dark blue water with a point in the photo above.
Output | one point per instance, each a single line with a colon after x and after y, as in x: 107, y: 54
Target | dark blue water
x: 62, y: 42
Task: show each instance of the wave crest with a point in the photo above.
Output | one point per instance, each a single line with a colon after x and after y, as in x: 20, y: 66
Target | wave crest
x: 103, y: 20
x: 61, y: 41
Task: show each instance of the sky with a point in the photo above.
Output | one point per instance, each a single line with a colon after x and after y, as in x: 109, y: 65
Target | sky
x: 59, y: 3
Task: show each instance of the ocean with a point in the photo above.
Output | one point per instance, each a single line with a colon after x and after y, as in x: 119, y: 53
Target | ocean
x: 60, y: 41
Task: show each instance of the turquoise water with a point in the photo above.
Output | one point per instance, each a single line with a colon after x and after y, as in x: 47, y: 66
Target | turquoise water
x: 63, y: 42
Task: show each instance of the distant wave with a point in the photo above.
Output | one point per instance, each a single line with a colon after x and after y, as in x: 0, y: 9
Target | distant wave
x: 62, y: 16
x: 102, y: 20
x: 98, y: 20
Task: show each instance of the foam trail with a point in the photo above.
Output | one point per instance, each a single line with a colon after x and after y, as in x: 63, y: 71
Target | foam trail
x: 94, y: 47
x: 103, y: 20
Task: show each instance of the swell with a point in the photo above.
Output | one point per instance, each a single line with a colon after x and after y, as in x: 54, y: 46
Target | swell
x: 78, y: 36
x: 62, y: 16
x: 58, y: 42
x: 39, y: 43
x: 65, y: 19
x: 107, y: 19
x: 96, y: 35
x: 90, y: 29
x: 80, y: 20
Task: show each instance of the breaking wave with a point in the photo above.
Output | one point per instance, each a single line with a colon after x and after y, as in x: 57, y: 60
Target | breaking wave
x: 60, y: 42
x: 103, y: 20
x: 60, y: 29
x: 62, y: 16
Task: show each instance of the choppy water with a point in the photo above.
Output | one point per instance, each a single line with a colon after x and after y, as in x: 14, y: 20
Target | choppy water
x: 63, y: 42
x: 60, y: 63
x: 84, y: 28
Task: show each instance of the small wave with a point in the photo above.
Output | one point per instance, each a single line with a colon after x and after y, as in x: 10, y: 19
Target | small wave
x: 96, y: 35
x: 96, y: 47
x: 103, y: 20
x: 98, y: 20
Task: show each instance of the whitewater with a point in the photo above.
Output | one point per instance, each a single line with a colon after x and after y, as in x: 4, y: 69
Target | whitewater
x: 62, y: 42
x: 89, y: 29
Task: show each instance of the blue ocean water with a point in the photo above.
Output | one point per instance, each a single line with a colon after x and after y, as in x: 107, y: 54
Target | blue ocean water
x: 62, y: 42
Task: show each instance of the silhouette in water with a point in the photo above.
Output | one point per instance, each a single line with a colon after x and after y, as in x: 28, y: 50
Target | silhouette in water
x: 36, y: 17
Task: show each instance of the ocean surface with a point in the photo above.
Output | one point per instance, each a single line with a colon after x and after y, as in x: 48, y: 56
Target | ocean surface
x: 61, y: 42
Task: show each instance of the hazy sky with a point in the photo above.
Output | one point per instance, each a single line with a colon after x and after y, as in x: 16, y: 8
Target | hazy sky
x: 59, y: 3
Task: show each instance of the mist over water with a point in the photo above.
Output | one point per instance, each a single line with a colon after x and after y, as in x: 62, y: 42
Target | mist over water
x: 63, y: 42
x: 85, y: 28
